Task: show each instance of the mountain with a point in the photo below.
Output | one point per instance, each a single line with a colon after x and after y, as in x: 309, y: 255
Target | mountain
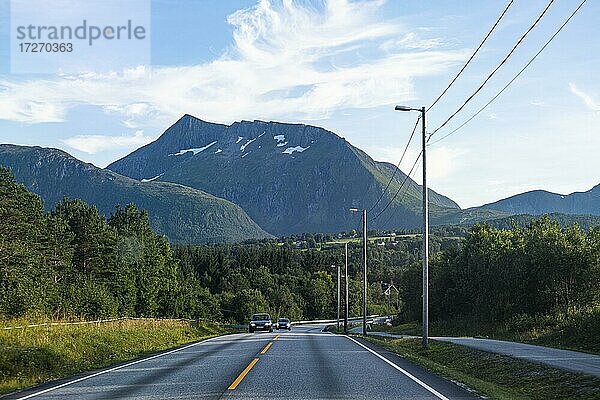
x: 183, y: 214
x: 539, y: 202
x: 290, y: 178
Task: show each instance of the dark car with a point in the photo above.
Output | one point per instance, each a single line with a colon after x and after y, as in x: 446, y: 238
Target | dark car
x: 284, y: 323
x: 260, y: 322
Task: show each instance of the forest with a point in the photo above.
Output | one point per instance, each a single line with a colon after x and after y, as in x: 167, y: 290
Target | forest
x: 72, y: 262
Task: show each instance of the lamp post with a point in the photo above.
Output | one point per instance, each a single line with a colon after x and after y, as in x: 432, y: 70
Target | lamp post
x: 425, y: 227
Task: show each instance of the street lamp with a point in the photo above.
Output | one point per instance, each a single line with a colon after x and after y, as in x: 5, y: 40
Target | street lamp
x: 425, y: 227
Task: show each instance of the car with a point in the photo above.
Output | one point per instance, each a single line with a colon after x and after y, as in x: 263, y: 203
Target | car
x: 260, y: 322
x: 284, y: 323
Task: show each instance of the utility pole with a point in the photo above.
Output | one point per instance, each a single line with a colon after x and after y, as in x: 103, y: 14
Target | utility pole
x: 338, y: 297
x: 425, y: 238
x: 364, y: 272
x: 346, y: 302
x: 425, y: 227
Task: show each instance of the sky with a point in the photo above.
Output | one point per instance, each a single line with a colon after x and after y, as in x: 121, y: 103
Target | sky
x: 343, y: 65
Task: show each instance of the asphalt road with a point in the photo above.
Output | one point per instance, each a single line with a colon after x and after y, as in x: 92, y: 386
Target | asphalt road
x: 575, y: 361
x: 302, y: 364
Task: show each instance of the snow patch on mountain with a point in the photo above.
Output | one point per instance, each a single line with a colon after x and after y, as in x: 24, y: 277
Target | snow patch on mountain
x: 193, y: 150
x: 152, y: 179
x: 243, y: 147
x: 280, y: 140
x: 291, y: 150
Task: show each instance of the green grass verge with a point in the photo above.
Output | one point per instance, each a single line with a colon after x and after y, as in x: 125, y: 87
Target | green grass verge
x: 36, y: 355
x: 493, y: 375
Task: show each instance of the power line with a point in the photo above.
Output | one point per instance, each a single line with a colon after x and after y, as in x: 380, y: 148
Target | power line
x: 539, y: 18
x: 473, y: 55
x: 398, y: 166
x: 515, y: 77
x: 403, y: 194
x: 399, y: 189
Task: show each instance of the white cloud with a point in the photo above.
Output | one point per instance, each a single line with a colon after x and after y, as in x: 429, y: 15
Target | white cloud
x: 588, y: 100
x: 282, y: 65
x: 93, y: 144
x: 412, y: 42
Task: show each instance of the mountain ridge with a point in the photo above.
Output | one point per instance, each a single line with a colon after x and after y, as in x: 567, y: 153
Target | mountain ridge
x: 538, y: 202
x: 185, y: 215
x: 290, y: 178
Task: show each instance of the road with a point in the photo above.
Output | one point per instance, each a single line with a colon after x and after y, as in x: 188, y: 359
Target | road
x: 302, y: 364
x: 575, y: 361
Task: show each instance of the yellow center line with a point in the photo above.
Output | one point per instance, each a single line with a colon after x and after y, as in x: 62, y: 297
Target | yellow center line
x: 242, y: 375
x: 266, y: 348
x: 276, y: 337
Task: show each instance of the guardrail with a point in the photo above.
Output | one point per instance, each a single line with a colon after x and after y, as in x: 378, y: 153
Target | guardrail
x: 331, y: 321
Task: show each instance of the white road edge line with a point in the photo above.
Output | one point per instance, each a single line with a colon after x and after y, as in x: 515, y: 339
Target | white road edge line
x: 408, y: 374
x: 114, y: 369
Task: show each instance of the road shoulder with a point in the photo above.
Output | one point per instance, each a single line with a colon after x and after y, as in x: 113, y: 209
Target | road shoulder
x: 491, y: 374
x: 449, y: 388
x: 570, y: 360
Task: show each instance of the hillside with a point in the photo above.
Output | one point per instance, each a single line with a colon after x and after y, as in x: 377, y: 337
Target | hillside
x: 539, y: 202
x: 290, y: 178
x: 183, y: 214
x: 585, y: 222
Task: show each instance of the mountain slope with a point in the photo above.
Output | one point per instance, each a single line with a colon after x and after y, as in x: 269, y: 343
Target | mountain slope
x: 539, y: 202
x: 289, y: 178
x: 184, y: 214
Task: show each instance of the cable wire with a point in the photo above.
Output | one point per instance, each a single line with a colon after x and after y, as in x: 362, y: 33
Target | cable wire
x: 515, y: 77
x: 472, y: 55
x: 398, y: 166
x: 403, y: 195
x: 510, y: 53
x: 399, y: 189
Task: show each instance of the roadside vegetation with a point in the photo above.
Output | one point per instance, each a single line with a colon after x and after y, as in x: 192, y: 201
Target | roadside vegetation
x: 35, y: 355
x: 493, y: 375
x: 575, y: 331
x: 539, y: 283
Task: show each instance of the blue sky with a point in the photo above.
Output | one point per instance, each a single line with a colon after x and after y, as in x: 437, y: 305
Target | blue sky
x: 342, y: 65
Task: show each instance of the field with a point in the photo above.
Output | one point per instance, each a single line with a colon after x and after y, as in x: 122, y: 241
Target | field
x: 40, y: 354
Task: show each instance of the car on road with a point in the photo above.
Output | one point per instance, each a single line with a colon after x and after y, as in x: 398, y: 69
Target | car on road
x: 284, y: 323
x: 260, y: 322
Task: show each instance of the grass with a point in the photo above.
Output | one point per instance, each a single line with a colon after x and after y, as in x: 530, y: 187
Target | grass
x: 577, y: 330
x: 493, y: 375
x: 31, y: 356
